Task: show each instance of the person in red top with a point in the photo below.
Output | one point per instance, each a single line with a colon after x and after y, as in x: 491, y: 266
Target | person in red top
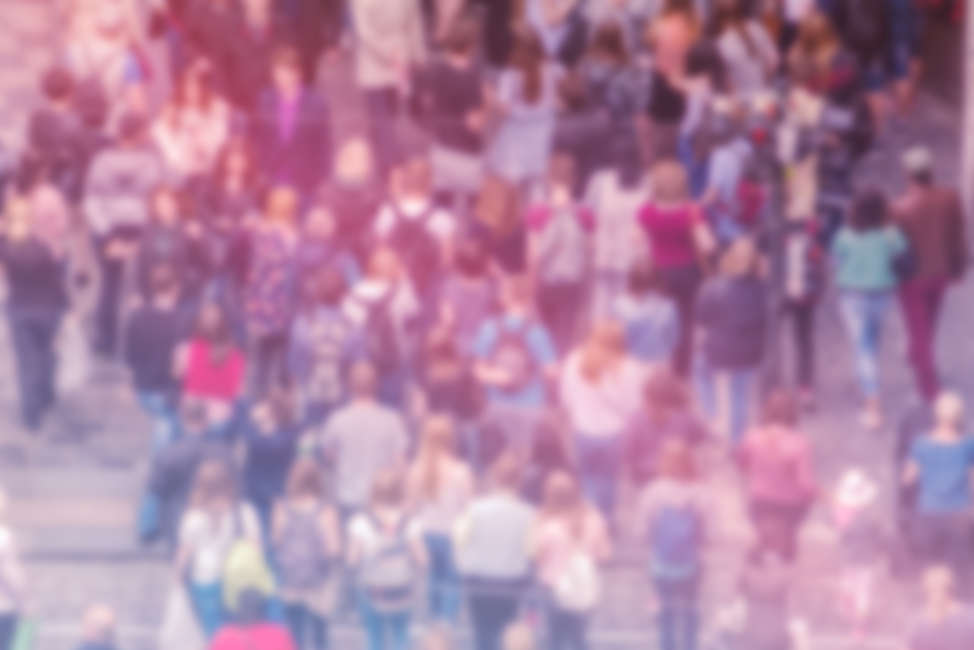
x: 780, y: 475
x: 678, y: 239
x: 212, y: 368
x: 251, y: 630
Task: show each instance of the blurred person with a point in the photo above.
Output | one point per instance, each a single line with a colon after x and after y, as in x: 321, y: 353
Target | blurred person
x: 865, y: 27
x: 385, y: 549
x: 600, y: 392
x: 940, y: 465
x: 468, y: 296
x: 561, y: 26
x: 672, y: 518
x: 671, y: 36
x: 319, y: 248
x: 731, y: 312
x: 454, y: 100
x: 864, y: 255
x: 307, y: 539
x: 500, y: 19
x: 318, y: 29
x: 765, y: 583
x: 527, y: 104
x: 98, y: 628
x: 420, y: 232
x: 354, y: 193
x: 514, y: 358
x: 211, y: 369
x: 491, y: 541
x: 569, y: 542
x: 518, y: 636
x: 362, y: 439
x: 678, y: 238
x: 498, y: 225
x: 13, y: 576
x: 214, y: 520
x: 778, y: 467
x: 210, y: 28
x: 439, y: 487
x: 649, y: 318
x: 730, y: 196
x: 250, y: 627
x: 389, y: 44
x: 559, y: 253
x: 631, y: 15
x: 323, y: 345
x: 194, y: 124
x: 116, y: 209
x: 36, y: 301
x: 261, y: 31
x: 932, y: 219
x: 667, y: 413
x: 747, y: 49
x: 270, y: 294
x: 291, y: 128
x: 153, y: 333
x: 944, y: 623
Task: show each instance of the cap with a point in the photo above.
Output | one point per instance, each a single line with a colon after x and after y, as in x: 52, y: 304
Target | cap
x: 918, y: 159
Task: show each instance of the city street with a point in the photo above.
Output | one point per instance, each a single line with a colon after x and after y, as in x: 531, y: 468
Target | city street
x: 73, y: 490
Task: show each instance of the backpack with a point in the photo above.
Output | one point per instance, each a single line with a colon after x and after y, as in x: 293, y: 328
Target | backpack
x: 676, y: 536
x: 245, y: 567
x: 388, y: 571
x: 417, y: 248
x: 579, y: 587
x: 512, y: 353
x: 301, y: 558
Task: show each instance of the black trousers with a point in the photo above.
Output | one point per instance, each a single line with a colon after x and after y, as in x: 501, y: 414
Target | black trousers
x: 33, y: 333
x: 802, y: 316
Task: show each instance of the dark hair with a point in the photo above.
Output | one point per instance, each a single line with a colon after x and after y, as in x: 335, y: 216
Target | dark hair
x: 463, y: 37
x: 528, y: 57
x: 869, y: 210
x: 610, y: 41
x: 781, y: 408
x: 924, y: 177
x: 162, y: 279
x: 643, y: 278
x: 471, y: 258
x: 202, y: 72
x: 704, y: 59
x: 241, y: 145
x: 57, y: 83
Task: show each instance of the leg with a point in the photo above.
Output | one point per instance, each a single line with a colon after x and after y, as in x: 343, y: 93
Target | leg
x: 208, y: 602
x: 741, y: 382
x: 599, y: 462
x: 294, y: 614
x: 397, y: 625
x: 803, y: 320
x: 667, y: 617
x: 112, y: 273
x: 918, y: 320
x: 373, y: 623
x: 319, y: 631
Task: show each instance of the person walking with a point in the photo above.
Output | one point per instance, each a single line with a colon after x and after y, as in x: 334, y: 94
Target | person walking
x: 931, y: 216
x: 945, y: 623
x: 865, y: 255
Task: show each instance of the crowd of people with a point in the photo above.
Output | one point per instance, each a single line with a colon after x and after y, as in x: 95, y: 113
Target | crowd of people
x: 488, y: 341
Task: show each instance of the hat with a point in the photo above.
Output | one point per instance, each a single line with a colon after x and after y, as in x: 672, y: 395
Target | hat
x: 855, y: 490
x: 918, y: 159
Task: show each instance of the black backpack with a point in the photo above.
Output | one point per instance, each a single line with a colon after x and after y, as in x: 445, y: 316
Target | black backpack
x: 417, y: 248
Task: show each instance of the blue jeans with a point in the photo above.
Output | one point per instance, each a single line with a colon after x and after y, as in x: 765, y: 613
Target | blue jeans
x: 165, y: 425
x: 299, y: 620
x: 566, y: 629
x: 863, y: 313
x: 208, y: 605
x: 599, y: 463
x: 731, y: 386
x: 385, y: 630
x: 678, y: 616
x: 444, y: 579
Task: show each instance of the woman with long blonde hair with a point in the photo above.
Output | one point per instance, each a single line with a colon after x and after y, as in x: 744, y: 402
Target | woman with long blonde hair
x: 439, y: 486
x: 600, y: 388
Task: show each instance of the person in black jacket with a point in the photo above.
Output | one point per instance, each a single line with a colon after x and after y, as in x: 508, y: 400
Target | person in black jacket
x: 291, y: 129
x: 731, y: 310
x: 36, y: 301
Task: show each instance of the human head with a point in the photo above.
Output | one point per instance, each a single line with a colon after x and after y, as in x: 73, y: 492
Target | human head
x: 362, y: 380
x: 604, y: 346
x: 609, y: 43
x: 517, y: 294
x: 437, y: 638
x: 918, y: 164
x: 438, y: 435
x: 165, y: 205
x: 286, y: 70
x: 414, y: 177
x: 57, y: 85
x: 320, y: 221
x: 676, y: 461
x: 236, y: 160
x: 561, y: 494
x: 669, y: 182
x: 869, y: 210
x: 195, y: 85
x: 498, y: 205
x: 213, y: 486
x: 98, y: 624
x: 281, y: 206
x: 781, y: 408
x: 18, y: 217
x: 305, y: 480
x: 354, y: 162
x: 740, y: 259
x: 505, y: 473
x: 562, y: 171
x: 518, y: 636
x: 388, y: 490
x: 163, y: 281
x: 528, y: 56
x: 211, y: 323
x: 948, y: 410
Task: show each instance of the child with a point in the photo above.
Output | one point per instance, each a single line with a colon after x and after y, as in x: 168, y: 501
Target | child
x: 648, y: 316
x: 559, y: 252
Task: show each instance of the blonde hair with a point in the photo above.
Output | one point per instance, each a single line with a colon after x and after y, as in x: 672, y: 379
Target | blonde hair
x: 437, y: 444
x: 282, y: 205
x: 354, y: 160
x: 213, y: 485
x: 669, y: 182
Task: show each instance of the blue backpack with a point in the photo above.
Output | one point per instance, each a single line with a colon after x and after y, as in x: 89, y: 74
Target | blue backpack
x: 676, y: 536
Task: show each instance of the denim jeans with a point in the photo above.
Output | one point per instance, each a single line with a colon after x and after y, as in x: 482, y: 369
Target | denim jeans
x: 490, y: 614
x: 165, y: 424
x: 566, y: 629
x: 301, y: 620
x: 444, y: 579
x: 385, y: 630
x: 382, y: 109
x: 599, y: 465
x: 33, y: 334
x: 863, y: 313
x: 208, y: 604
x: 678, y: 615
x: 726, y: 395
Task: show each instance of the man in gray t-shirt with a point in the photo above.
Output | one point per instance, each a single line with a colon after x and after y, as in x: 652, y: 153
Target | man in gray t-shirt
x: 362, y: 439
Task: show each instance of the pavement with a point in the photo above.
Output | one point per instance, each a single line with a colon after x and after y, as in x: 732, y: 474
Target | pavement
x: 74, y: 489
